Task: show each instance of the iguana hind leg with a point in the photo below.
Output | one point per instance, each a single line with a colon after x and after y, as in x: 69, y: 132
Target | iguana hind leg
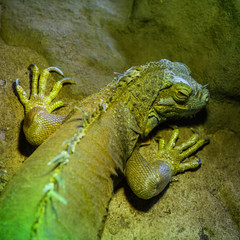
x: 148, y: 179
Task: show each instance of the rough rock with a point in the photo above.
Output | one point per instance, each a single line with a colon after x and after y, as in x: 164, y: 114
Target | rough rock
x: 89, y: 40
x: 202, y: 204
x: 70, y: 34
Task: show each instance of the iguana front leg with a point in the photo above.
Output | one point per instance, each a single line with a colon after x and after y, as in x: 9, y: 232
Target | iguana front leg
x: 148, y: 179
x: 39, y: 123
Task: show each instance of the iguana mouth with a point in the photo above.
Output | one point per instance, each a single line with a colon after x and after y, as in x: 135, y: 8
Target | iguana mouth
x: 171, y: 105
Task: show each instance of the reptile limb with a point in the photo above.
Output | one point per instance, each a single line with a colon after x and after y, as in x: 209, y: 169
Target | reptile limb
x: 148, y: 179
x: 39, y: 124
x: 63, y: 189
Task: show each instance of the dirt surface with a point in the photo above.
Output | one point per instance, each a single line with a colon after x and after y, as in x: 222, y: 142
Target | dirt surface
x: 14, y: 62
x: 202, y: 204
x: 89, y: 41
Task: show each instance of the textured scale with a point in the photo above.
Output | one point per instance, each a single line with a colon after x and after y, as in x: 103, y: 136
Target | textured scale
x: 39, y: 125
x: 146, y: 180
x: 62, y: 191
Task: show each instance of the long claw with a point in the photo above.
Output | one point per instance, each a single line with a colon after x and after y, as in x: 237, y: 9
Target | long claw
x: 55, y: 69
x: 199, y: 160
x: 67, y: 80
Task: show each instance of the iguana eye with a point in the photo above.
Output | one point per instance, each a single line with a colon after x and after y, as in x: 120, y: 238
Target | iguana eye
x: 181, y: 96
x: 181, y: 92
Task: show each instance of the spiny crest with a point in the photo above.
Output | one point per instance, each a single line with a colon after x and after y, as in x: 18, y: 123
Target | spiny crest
x: 97, y: 104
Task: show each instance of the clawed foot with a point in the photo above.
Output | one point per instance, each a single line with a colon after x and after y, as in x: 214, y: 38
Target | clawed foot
x: 37, y: 97
x: 39, y: 123
x: 174, y: 155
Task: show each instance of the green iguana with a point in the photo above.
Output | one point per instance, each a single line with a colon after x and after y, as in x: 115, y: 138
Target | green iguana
x: 62, y: 191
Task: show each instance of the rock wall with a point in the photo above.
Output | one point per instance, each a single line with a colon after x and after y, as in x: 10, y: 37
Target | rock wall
x: 70, y: 34
x: 89, y: 40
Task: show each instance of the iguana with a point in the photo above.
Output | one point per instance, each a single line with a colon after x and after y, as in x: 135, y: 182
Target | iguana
x: 62, y: 191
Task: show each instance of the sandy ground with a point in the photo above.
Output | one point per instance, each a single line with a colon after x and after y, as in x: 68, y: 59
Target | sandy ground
x: 203, y: 204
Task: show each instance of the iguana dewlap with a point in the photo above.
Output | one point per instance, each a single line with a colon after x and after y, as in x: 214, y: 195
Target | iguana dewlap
x: 63, y: 189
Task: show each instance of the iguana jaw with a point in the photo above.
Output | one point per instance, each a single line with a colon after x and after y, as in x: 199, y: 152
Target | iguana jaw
x: 185, y: 97
x: 167, y: 106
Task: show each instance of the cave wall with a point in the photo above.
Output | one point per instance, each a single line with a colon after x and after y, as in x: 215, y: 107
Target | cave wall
x: 88, y: 41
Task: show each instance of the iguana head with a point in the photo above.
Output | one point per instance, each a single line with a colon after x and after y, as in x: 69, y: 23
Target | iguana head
x: 180, y: 95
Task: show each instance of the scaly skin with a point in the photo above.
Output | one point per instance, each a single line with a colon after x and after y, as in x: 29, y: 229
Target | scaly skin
x: 62, y: 191
x: 39, y: 106
x: 148, y: 179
